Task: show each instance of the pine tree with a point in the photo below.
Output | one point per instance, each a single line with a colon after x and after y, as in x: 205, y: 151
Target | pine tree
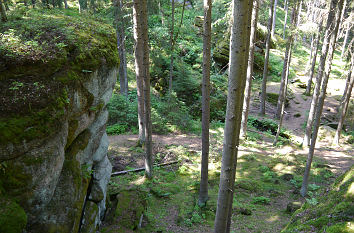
x: 237, y: 78
x: 203, y: 191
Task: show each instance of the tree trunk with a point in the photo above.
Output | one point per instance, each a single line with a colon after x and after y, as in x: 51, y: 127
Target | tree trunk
x: 203, y: 191
x: 286, y: 17
x: 345, y: 102
x: 237, y: 78
x: 313, y: 64
x: 139, y: 71
x: 3, y: 12
x: 266, y: 60
x: 281, y: 117
x: 120, y: 30
x: 247, y: 97
x: 146, y: 84
x: 274, y: 17
x: 321, y: 66
x: 308, y: 64
x: 171, y: 46
x: 66, y: 4
x: 333, y: 35
x: 345, y: 41
x: 282, y: 95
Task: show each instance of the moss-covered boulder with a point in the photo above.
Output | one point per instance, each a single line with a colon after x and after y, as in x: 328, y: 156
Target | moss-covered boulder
x: 57, y: 73
x: 222, y: 48
x: 127, y: 208
x: 333, y: 213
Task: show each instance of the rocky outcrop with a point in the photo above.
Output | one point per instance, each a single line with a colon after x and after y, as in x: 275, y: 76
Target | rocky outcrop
x: 54, y: 168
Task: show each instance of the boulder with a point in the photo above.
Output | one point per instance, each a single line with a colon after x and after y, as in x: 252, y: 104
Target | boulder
x: 293, y: 206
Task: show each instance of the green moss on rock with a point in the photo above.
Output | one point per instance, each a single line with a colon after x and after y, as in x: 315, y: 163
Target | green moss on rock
x: 13, y: 218
x: 44, y: 52
x: 334, y: 213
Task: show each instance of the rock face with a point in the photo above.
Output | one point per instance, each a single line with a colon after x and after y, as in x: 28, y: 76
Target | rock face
x: 68, y: 172
x: 54, y: 168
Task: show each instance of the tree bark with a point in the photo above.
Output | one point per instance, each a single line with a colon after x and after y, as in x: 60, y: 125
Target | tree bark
x: 66, y: 4
x: 283, y: 82
x: 247, y: 96
x: 120, y: 31
x: 281, y: 117
x: 3, y: 12
x: 334, y: 32
x: 139, y: 70
x: 171, y: 46
x: 146, y: 85
x: 286, y: 17
x: 237, y: 76
x: 274, y: 17
x: 345, y: 40
x: 203, y: 191
x: 266, y: 60
x: 313, y: 64
x: 308, y: 64
x: 345, y: 102
x: 321, y: 66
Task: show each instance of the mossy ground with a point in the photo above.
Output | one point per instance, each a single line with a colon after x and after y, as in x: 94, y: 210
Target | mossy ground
x: 262, y: 193
x: 335, y: 210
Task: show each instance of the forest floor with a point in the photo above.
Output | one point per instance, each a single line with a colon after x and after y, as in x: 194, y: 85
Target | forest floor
x: 269, y: 177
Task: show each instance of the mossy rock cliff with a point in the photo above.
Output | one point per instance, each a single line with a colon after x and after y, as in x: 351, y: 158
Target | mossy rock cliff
x: 45, y: 52
x: 334, y: 213
x: 57, y: 73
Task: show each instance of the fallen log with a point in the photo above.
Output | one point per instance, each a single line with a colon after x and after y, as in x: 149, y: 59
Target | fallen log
x: 141, y: 169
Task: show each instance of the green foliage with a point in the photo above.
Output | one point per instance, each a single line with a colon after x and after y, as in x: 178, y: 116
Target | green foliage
x: 261, y: 200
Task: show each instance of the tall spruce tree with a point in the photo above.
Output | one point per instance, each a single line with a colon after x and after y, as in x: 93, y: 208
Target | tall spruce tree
x: 237, y: 78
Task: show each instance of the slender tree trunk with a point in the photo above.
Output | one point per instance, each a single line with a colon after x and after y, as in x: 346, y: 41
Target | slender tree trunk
x: 66, y: 4
x: 282, y: 95
x: 146, y: 84
x: 120, y: 30
x: 237, y: 78
x: 247, y: 98
x: 345, y: 40
x: 3, y: 12
x: 266, y: 60
x: 6, y: 5
x: 139, y: 71
x: 203, y: 191
x: 171, y: 46
x: 299, y: 15
x: 321, y: 66
x: 281, y: 117
x: 345, y: 102
x: 334, y: 32
x: 308, y: 65
x: 274, y: 17
x: 313, y: 64
x: 239, y: 116
x: 286, y: 17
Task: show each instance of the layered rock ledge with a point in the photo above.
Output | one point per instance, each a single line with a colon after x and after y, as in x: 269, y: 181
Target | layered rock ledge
x: 57, y: 73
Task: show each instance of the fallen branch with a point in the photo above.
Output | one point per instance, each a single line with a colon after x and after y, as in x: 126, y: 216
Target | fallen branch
x: 141, y: 169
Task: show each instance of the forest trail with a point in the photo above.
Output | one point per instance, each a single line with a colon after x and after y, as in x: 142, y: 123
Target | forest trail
x: 339, y: 158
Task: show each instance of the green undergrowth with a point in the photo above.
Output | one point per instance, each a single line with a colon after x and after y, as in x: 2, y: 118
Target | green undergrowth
x: 263, y: 182
x: 333, y: 212
x: 168, y: 114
